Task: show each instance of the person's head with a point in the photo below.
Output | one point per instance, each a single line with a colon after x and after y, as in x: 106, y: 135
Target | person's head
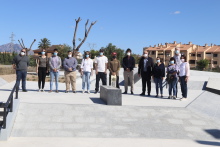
x: 183, y: 58
x: 55, y: 52
x: 145, y: 53
x: 172, y: 61
x: 43, y: 51
x: 69, y: 54
x: 158, y: 60
x: 128, y: 51
x: 114, y: 55
x: 177, y: 50
x: 23, y: 51
x: 101, y: 52
x: 87, y: 54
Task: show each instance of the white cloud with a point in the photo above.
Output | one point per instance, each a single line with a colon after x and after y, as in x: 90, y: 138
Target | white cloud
x: 101, y: 28
x: 177, y: 12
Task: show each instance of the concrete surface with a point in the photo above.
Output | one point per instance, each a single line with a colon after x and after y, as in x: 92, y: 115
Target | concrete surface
x: 111, y: 95
x: 2, y: 82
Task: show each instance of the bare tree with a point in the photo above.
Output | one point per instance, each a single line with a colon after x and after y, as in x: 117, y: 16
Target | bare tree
x: 76, y: 49
x: 23, y: 46
x: 91, y: 46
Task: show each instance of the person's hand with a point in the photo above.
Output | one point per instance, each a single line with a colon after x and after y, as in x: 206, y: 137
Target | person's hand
x: 96, y: 72
x: 163, y: 78
x: 55, y: 70
x: 47, y: 71
x: 128, y: 70
x: 153, y: 77
x: 92, y: 74
x: 186, y: 79
x: 106, y: 72
x: 179, y: 80
x: 37, y: 71
x: 81, y: 73
x: 139, y: 75
x: 113, y: 73
x: 70, y: 69
x: 171, y: 77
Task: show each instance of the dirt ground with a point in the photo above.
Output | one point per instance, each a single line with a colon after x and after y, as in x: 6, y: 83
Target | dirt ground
x: 12, y: 77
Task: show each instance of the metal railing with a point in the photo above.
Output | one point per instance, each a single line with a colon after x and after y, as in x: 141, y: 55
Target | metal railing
x: 8, y: 106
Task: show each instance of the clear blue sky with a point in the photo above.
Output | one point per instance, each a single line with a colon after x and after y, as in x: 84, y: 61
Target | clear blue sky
x: 125, y: 23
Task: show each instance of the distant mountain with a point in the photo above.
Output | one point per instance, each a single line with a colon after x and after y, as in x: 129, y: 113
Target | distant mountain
x: 16, y: 47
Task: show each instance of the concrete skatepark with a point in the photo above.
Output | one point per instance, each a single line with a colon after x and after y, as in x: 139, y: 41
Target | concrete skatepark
x: 85, y: 120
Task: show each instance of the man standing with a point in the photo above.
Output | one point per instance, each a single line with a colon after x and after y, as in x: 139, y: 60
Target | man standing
x: 177, y: 57
x: 22, y: 62
x: 145, y: 70
x: 70, y: 64
x: 54, y: 63
x: 114, y: 67
x: 128, y: 65
x: 101, y: 69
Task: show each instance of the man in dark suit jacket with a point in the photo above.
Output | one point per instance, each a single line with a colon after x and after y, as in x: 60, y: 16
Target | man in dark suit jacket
x: 145, y: 70
x: 128, y: 65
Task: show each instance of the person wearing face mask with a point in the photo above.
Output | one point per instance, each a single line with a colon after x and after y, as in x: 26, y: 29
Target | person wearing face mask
x: 70, y: 64
x: 42, y: 64
x: 128, y: 64
x: 54, y: 63
x: 145, y: 71
x: 86, y: 71
x: 184, y: 76
x: 158, y: 75
x: 101, y: 69
x: 172, y: 74
x: 20, y: 64
x: 114, y: 67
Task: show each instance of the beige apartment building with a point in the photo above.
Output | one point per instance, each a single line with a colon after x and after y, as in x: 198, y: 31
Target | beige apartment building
x: 193, y: 53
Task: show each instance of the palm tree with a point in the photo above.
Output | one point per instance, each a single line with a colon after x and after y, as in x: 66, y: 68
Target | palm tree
x: 44, y: 43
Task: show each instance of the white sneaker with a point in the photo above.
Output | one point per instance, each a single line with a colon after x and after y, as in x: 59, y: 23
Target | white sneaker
x: 183, y: 99
x: 39, y: 90
x: 88, y: 92
x: 42, y: 90
x: 174, y: 97
x: 83, y: 91
x: 170, y: 97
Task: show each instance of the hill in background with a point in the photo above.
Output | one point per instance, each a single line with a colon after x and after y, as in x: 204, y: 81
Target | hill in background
x: 17, y: 48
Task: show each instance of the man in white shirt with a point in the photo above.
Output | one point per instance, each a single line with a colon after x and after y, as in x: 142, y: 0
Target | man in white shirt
x: 101, y: 69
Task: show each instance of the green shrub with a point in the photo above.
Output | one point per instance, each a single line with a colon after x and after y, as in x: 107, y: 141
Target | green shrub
x: 34, y: 79
x: 203, y: 63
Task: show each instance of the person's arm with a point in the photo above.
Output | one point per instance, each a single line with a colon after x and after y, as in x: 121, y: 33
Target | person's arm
x: 133, y: 66
x: 139, y: 66
x: 106, y: 65
x: 123, y: 64
x: 187, y: 72
x: 91, y: 66
x: 50, y: 63
x: 28, y: 62
x: 119, y: 66
x: 37, y: 64
x: 96, y: 71
x: 59, y: 63
x: 13, y: 62
x: 163, y: 70
x: 175, y: 70
x: 65, y: 65
x: 82, y: 65
x: 152, y: 66
x: 75, y: 64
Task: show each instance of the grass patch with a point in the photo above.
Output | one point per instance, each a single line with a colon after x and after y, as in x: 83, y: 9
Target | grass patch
x: 62, y: 78
x: 34, y: 79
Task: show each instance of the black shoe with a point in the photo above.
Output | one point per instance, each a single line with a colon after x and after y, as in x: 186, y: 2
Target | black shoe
x: 24, y: 90
x: 148, y: 94
x: 96, y: 92
x: 125, y: 92
x: 67, y: 92
x: 74, y: 91
x: 142, y: 94
x: 132, y: 92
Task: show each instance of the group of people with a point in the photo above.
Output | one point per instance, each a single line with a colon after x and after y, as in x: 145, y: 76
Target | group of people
x: 177, y: 70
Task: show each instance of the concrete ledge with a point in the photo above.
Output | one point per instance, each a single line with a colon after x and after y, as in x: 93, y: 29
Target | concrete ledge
x: 5, y: 133
x: 213, y: 90
x: 111, y: 95
x: 213, y: 85
x: 2, y: 82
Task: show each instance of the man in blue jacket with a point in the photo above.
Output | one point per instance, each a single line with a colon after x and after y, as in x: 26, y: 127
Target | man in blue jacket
x: 128, y: 65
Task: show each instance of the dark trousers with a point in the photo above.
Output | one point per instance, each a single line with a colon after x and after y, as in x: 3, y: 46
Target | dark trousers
x: 117, y: 81
x: 42, y: 71
x: 183, y: 85
x: 21, y: 75
x: 146, y: 78
x: 102, y: 76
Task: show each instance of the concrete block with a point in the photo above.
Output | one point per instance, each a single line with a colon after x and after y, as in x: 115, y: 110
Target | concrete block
x: 111, y: 95
x: 213, y: 85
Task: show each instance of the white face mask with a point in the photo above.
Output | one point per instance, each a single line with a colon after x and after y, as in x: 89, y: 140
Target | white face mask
x: 22, y: 53
x: 183, y: 60
x: 128, y: 53
x: 145, y: 55
x: 69, y: 56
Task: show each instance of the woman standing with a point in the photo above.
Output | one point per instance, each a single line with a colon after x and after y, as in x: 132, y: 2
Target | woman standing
x: 42, y: 69
x: 86, y: 71
x: 172, y: 74
x: 158, y: 75
x: 184, y: 76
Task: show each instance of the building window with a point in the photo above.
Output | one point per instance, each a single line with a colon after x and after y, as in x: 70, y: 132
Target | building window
x: 193, y: 55
x: 192, y: 62
x: 214, y: 62
x: 153, y: 52
x: 215, y: 55
x: 198, y: 55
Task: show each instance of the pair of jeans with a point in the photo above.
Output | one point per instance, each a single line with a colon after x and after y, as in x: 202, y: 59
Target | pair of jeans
x: 158, y: 81
x: 21, y: 75
x: 172, y: 85
x: 86, y: 79
x: 102, y: 76
x: 42, y: 71
x: 183, y: 85
x: 52, y: 75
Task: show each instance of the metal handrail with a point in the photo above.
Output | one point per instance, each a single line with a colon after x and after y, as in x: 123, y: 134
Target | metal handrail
x: 8, y: 106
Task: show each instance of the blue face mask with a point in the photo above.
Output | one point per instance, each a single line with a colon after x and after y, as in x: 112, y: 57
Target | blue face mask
x: 87, y: 56
x: 171, y: 62
x: 101, y: 53
x: 158, y: 61
x: 55, y: 54
x: 42, y: 53
x: 177, y: 51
